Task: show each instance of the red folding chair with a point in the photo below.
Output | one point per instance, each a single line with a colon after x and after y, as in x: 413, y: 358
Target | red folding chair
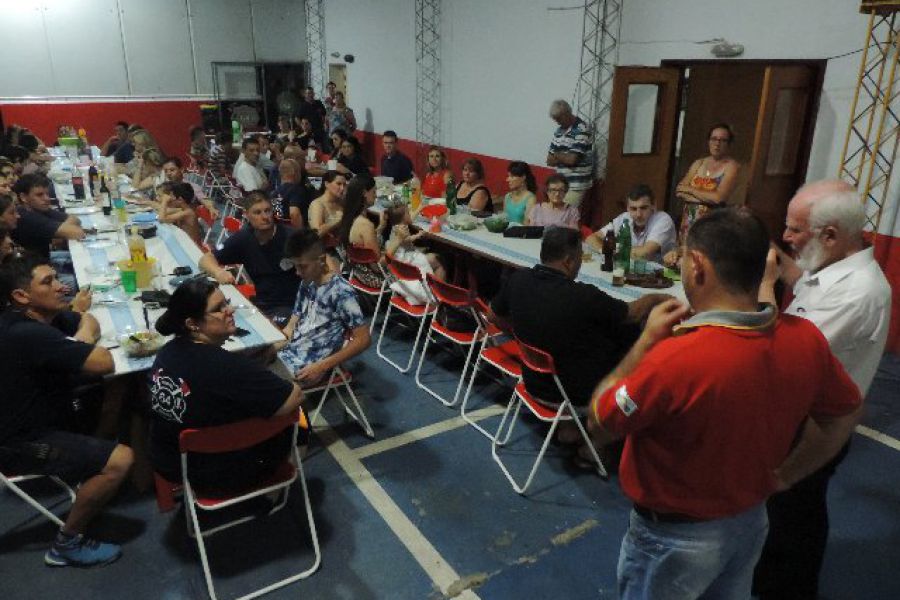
x: 421, y: 312
x: 540, y: 362
x: 451, y: 297
x: 230, y: 226
x: 366, y: 256
x: 503, y: 356
x: 228, y: 438
x: 205, y: 216
x: 13, y: 481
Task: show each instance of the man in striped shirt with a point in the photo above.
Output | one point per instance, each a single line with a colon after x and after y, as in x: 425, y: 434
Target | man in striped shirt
x: 571, y: 152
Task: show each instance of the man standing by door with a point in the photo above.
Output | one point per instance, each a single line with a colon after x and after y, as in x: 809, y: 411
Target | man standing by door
x: 571, y: 152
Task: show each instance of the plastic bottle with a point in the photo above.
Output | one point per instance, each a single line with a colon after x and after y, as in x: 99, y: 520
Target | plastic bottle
x: 623, y: 247
x: 137, y: 247
x: 236, y: 133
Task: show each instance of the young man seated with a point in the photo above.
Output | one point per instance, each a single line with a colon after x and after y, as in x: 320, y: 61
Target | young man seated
x: 174, y: 172
x: 260, y: 248
x: 325, y: 313
x: 40, y: 224
x: 175, y: 200
x: 44, y: 350
x: 652, y: 232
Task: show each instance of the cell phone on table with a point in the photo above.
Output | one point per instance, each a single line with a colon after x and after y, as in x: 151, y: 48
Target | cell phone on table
x: 178, y: 271
x: 241, y: 332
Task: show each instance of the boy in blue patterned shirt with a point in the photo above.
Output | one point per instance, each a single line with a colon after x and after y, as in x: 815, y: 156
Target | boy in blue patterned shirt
x: 325, y: 313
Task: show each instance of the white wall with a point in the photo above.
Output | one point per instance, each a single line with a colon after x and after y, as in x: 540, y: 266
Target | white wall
x: 504, y: 61
x: 76, y: 47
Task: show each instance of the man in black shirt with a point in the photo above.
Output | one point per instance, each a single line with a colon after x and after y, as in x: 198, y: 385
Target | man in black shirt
x: 39, y: 224
x: 44, y: 349
x: 260, y: 248
x: 585, y: 331
x: 312, y: 108
x: 394, y: 163
x: 296, y: 195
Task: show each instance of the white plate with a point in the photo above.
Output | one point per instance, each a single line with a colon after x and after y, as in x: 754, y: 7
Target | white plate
x: 83, y: 210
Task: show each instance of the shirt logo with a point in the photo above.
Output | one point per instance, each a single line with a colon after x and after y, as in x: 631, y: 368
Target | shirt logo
x: 624, y: 402
x: 167, y: 397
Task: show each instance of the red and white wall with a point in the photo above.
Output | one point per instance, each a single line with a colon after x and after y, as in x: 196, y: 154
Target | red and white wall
x: 503, y: 62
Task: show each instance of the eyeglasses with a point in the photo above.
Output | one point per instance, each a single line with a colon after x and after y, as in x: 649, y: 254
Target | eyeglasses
x: 221, y: 308
x: 556, y: 190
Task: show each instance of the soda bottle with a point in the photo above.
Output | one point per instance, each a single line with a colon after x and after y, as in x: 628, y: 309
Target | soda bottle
x: 623, y: 247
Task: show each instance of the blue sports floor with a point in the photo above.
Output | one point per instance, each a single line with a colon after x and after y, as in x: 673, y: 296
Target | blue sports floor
x: 424, y: 513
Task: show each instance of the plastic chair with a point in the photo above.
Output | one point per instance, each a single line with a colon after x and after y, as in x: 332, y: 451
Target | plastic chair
x: 365, y: 256
x: 341, y: 378
x: 503, y: 356
x: 227, y: 438
x: 230, y: 225
x: 405, y: 272
x: 540, y: 362
x: 205, y: 216
x: 586, y: 232
x: 12, y: 481
x: 452, y: 297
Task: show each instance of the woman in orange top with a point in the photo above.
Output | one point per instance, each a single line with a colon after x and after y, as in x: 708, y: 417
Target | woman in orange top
x: 708, y: 183
x: 434, y: 185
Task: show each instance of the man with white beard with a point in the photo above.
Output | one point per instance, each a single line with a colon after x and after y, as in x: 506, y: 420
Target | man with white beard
x: 839, y: 286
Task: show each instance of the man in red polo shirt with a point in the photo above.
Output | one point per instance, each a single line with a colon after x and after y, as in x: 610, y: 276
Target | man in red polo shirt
x: 710, y: 408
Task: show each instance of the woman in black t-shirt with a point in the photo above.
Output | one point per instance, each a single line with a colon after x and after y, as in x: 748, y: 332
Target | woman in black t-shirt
x: 195, y: 383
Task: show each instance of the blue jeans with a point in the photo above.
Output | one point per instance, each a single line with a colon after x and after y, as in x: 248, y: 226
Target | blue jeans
x: 681, y: 561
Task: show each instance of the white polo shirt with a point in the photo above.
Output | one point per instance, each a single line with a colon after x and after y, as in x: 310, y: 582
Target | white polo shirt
x: 250, y: 177
x: 660, y: 229
x: 850, y: 303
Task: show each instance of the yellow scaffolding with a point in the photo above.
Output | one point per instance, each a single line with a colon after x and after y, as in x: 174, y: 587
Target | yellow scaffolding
x: 873, y: 134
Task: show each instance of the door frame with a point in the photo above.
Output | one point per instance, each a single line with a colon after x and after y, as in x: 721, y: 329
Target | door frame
x: 817, y: 66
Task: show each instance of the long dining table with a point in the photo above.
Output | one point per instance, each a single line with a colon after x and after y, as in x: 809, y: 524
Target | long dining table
x: 120, y: 313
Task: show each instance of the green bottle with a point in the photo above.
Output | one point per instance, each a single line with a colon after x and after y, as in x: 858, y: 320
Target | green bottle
x: 623, y: 247
x: 405, y: 193
x: 451, y: 196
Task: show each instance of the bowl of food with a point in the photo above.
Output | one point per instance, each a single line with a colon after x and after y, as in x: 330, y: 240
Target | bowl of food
x: 138, y: 344
x: 462, y: 222
x: 496, y: 223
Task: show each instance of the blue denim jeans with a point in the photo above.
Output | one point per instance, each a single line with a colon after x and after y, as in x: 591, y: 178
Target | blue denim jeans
x: 681, y: 561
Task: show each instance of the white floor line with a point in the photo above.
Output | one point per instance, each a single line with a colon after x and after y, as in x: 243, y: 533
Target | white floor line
x: 884, y: 438
x: 438, y: 569
x: 422, y: 433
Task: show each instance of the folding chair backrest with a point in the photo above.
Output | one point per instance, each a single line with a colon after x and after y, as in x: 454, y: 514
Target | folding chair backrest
x: 536, y: 359
x: 205, y: 215
x: 361, y: 256
x: 449, y: 294
x: 232, y: 224
x: 404, y: 271
x: 586, y: 232
x: 234, y: 436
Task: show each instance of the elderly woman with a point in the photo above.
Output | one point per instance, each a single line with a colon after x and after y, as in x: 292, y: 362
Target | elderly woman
x: 554, y: 211
x: 472, y: 192
x: 195, y: 383
x: 434, y: 185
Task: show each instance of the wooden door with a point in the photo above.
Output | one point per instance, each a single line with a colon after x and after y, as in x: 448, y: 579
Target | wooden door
x: 780, y: 146
x: 642, y: 127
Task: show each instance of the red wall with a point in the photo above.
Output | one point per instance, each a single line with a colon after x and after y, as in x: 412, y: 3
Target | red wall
x: 168, y: 121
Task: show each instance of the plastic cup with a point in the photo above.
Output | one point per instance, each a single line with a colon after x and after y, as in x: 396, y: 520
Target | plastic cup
x: 129, y: 281
x: 618, y: 277
x: 332, y: 165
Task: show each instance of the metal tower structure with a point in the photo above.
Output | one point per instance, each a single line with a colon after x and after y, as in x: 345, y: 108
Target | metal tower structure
x: 870, y: 147
x: 428, y: 76
x: 599, y: 56
x: 315, y: 44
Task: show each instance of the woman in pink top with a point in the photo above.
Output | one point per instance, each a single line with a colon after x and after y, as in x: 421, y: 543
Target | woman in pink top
x: 554, y: 211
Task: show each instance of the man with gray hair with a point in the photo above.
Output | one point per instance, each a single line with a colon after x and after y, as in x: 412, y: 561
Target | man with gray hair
x: 571, y: 152
x: 838, y: 286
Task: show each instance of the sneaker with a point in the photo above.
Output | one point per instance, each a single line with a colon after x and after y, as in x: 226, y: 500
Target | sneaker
x: 79, y: 551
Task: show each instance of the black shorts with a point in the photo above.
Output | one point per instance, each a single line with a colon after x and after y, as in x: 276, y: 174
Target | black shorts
x: 70, y: 456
